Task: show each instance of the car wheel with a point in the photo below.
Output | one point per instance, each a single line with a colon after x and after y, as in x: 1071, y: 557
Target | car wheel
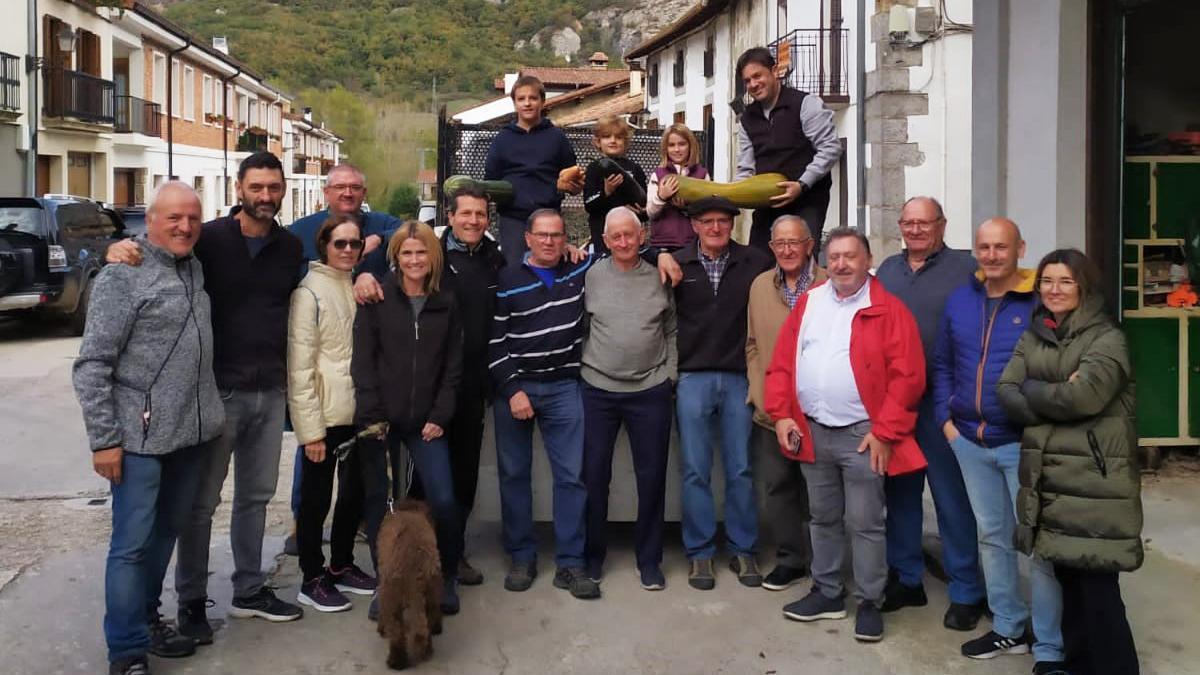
x: 78, y: 319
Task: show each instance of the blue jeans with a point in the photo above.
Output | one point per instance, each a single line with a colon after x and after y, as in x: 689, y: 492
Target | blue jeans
x: 150, y: 505
x: 991, y: 478
x: 704, y: 400
x: 905, y: 518
x: 432, y: 460
x: 558, y: 411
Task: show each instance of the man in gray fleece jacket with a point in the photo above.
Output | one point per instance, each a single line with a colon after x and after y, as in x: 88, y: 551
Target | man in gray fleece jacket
x: 145, y: 382
x: 628, y: 368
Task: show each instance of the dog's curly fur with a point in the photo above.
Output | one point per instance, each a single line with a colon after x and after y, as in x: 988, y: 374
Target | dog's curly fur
x: 410, y: 584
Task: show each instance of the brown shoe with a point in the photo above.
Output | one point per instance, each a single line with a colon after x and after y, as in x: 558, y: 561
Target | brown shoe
x: 467, y: 575
x: 701, y: 575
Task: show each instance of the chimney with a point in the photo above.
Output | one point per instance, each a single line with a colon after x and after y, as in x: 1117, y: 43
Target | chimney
x: 307, y: 114
x: 509, y: 80
x: 221, y: 44
x: 635, y: 83
x: 598, y: 61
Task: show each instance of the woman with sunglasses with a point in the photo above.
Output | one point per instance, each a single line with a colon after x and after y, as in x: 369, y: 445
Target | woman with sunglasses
x: 321, y: 401
x: 1079, y: 506
x: 406, y: 367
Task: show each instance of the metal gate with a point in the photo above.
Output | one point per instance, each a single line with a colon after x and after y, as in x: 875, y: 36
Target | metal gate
x: 462, y: 149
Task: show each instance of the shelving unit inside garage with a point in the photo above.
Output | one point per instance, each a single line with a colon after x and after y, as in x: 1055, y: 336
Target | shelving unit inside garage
x: 1161, y: 194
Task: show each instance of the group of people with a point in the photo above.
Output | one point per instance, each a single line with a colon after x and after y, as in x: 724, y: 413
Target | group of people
x: 838, y: 389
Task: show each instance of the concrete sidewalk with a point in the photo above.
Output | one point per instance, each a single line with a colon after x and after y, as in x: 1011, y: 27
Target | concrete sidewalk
x: 50, y: 621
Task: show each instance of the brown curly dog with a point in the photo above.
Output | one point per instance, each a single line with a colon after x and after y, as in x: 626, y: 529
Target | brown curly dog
x: 410, y: 584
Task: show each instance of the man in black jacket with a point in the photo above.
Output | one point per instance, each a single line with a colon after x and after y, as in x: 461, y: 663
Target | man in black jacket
x: 251, y: 265
x: 790, y: 132
x: 473, y: 262
x: 711, y: 307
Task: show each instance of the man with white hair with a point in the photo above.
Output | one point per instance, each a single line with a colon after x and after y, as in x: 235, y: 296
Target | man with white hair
x: 629, y: 369
x: 144, y: 379
x: 773, y: 295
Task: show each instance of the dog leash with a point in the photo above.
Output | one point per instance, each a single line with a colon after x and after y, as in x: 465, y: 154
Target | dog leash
x: 379, y: 432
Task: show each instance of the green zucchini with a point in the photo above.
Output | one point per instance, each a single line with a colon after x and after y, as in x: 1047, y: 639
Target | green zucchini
x: 754, y: 192
x: 499, y: 191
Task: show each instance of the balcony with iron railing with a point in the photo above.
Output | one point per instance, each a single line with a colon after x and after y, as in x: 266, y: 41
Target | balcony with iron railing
x: 76, y: 95
x: 10, y: 83
x: 137, y: 116
x: 816, y: 61
x: 252, y: 140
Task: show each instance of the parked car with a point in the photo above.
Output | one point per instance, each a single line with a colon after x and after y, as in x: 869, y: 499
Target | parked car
x: 134, y: 218
x: 51, y: 248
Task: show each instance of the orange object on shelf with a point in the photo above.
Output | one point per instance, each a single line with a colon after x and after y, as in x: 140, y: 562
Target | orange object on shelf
x: 1184, y: 296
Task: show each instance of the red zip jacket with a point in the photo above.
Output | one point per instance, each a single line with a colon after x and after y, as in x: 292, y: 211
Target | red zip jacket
x: 889, y: 370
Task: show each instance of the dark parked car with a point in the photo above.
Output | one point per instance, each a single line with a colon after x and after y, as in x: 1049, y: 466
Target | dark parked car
x: 134, y: 219
x: 51, y: 249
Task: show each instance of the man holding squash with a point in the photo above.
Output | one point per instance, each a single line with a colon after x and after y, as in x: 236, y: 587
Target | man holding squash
x: 789, y: 132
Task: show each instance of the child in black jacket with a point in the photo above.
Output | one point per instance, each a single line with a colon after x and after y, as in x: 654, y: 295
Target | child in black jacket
x: 604, y: 187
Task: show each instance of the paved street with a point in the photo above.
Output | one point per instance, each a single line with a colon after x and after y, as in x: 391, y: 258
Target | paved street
x: 53, y: 529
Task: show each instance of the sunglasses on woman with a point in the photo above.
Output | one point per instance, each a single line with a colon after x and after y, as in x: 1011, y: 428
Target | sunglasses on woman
x: 354, y: 244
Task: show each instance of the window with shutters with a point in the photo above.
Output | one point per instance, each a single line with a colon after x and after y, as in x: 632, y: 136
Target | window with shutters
x: 678, y: 73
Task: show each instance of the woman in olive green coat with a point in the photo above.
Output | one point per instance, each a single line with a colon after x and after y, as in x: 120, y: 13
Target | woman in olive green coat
x: 1079, y: 506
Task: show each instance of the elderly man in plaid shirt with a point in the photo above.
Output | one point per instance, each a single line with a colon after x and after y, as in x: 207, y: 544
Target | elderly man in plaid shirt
x: 712, y: 390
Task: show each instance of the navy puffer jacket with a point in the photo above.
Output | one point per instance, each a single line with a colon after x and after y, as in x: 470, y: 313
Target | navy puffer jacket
x: 973, y: 348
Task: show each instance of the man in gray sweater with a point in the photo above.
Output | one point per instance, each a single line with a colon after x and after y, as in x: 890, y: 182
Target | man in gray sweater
x: 629, y: 369
x: 144, y: 379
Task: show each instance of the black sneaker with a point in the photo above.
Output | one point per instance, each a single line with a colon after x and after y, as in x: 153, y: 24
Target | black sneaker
x: 520, y: 576
x: 351, y: 579
x: 134, y: 666
x: 576, y: 580
x: 992, y: 644
x: 468, y: 575
x: 746, y: 569
x: 1050, y: 668
x: 652, y: 578
x: 700, y: 577
x: 897, y: 596
x: 449, y: 603
x: 783, y: 577
x: 320, y: 594
x: 166, y: 642
x: 193, y: 621
x: 868, y: 623
x: 265, y: 605
x: 814, y: 607
x: 964, y: 617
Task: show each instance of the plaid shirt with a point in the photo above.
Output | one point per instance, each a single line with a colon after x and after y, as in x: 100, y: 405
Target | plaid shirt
x: 714, y: 268
x: 802, y: 283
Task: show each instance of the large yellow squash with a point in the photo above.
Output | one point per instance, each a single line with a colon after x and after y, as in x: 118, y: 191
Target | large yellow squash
x: 754, y: 192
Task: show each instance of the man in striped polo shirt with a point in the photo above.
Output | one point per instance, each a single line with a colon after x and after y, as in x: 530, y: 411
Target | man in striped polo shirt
x: 534, y: 358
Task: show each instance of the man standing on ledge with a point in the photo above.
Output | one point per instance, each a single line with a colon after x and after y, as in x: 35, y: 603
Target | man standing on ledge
x: 789, y: 132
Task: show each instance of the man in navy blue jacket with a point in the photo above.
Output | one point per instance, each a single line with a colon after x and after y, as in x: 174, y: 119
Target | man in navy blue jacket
x: 923, y: 276
x: 529, y: 153
x: 345, y: 192
x: 534, y: 358
x: 980, y: 328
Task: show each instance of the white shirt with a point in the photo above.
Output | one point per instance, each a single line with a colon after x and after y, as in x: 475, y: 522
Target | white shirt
x: 825, y: 382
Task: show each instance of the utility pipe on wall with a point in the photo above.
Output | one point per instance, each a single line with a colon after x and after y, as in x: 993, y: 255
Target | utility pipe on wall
x: 170, y: 97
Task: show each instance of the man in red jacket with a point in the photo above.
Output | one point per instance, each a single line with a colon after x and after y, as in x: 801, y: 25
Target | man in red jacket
x: 848, y: 431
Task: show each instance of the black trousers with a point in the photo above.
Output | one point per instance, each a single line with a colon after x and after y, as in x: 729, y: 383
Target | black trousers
x: 1096, y: 635
x: 811, y: 206
x: 316, y: 492
x: 647, y: 419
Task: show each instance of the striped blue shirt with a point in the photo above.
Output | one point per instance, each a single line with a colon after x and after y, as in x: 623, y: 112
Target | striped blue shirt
x: 537, y: 331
